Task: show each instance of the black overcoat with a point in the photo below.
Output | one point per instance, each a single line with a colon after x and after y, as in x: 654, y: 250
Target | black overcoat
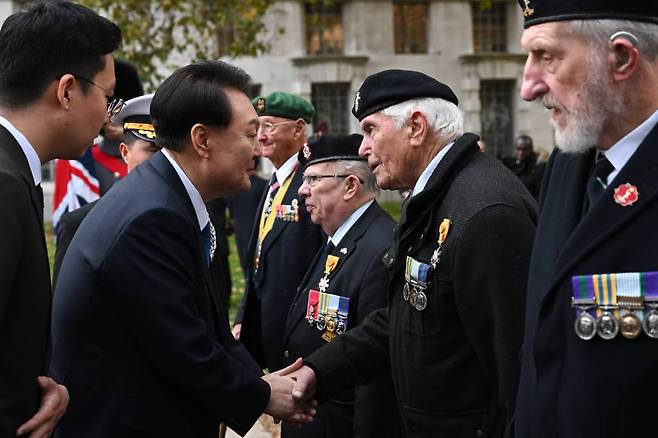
x: 455, y: 364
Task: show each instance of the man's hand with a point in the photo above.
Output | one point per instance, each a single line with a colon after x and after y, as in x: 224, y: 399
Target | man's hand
x: 304, y: 388
x: 235, y: 331
x: 281, y: 404
x: 54, y: 400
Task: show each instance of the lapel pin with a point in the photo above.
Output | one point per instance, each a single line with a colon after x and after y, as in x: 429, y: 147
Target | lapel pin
x: 343, y: 251
x: 626, y: 194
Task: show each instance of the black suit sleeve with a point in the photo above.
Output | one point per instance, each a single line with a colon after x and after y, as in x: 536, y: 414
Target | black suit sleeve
x: 16, y: 206
x: 65, y: 232
x: 490, y: 273
x: 357, y: 357
x: 373, y: 399
x: 152, y: 272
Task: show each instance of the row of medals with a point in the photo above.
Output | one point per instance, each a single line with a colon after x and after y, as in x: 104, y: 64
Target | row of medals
x: 331, y: 323
x: 414, y: 293
x: 607, y: 326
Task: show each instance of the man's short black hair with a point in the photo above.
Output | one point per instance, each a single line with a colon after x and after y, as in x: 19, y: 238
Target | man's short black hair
x: 526, y: 139
x: 194, y: 94
x: 47, y: 41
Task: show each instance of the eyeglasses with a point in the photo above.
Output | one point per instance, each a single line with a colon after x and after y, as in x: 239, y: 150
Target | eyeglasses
x: 312, y: 180
x: 267, y: 127
x: 114, y: 104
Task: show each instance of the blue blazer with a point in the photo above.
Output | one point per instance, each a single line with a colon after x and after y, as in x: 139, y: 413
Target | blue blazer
x: 140, y: 336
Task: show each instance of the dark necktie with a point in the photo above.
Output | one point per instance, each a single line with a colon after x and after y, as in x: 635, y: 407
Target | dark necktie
x: 208, y: 236
x: 39, y: 191
x: 598, y: 182
x: 274, y: 185
x: 318, y: 268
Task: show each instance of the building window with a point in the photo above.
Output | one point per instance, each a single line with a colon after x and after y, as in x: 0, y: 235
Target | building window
x: 324, y: 29
x: 332, y: 110
x: 489, y: 26
x: 410, y: 24
x: 496, y: 115
x: 225, y: 38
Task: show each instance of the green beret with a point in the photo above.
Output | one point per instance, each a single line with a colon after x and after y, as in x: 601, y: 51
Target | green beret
x: 286, y: 105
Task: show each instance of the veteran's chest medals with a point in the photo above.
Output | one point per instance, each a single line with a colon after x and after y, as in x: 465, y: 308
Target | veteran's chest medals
x: 417, y: 274
x: 616, y: 303
x: 327, y: 312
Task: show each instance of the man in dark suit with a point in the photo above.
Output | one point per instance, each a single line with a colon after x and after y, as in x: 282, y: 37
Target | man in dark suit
x: 339, y: 190
x: 138, y: 145
x: 451, y: 333
x: 588, y: 366
x: 53, y: 100
x: 139, y: 336
x: 284, y: 240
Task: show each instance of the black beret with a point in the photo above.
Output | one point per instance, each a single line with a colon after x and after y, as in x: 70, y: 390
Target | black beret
x: 543, y: 11
x: 390, y: 87
x: 128, y: 85
x: 331, y: 147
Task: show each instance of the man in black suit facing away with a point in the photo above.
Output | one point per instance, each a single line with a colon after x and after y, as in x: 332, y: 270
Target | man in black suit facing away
x: 348, y: 273
x: 139, y: 335
x: 56, y: 85
x: 588, y: 364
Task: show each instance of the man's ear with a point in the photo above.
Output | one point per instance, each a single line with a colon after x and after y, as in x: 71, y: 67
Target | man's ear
x: 418, y: 128
x: 123, y: 148
x: 300, y: 128
x: 199, y: 135
x: 351, y: 187
x: 64, y: 90
x: 623, y: 57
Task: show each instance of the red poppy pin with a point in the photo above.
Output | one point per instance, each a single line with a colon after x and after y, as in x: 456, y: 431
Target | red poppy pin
x: 626, y: 194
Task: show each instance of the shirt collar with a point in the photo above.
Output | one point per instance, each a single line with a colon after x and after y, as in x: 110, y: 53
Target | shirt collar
x: 345, y: 227
x: 286, y: 169
x: 623, y: 150
x: 429, y: 170
x: 28, y: 150
x: 192, y: 192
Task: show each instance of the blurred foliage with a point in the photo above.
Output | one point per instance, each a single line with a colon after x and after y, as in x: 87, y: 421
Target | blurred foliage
x: 155, y: 29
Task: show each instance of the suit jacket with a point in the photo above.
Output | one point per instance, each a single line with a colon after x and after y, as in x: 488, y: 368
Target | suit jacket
x: 455, y: 362
x: 138, y: 336
x: 287, y: 252
x: 369, y: 410
x: 25, y: 294
x: 66, y: 227
x: 570, y: 387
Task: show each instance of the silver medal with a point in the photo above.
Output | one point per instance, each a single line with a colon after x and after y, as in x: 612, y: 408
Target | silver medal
x: 585, y: 326
x: 421, y: 301
x: 405, y: 291
x: 340, y: 327
x: 412, y: 296
x: 650, y: 324
x: 607, y: 326
x: 322, y: 322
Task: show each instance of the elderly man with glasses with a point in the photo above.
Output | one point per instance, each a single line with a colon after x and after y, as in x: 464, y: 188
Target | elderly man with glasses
x: 344, y: 284
x: 284, y: 240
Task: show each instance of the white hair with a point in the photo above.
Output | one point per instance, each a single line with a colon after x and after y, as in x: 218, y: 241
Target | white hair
x: 598, y: 33
x: 361, y: 170
x: 445, y: 119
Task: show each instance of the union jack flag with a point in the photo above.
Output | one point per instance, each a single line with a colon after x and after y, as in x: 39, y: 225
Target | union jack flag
x: 75, y: 185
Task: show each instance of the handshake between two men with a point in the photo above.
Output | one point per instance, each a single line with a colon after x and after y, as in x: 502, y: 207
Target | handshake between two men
x: 291, y: 394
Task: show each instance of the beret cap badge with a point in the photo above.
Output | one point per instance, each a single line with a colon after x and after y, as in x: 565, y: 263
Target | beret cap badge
x: 306, y: 151
x: 260, y: 105
x: 528, y: 11
x: 357, y: 98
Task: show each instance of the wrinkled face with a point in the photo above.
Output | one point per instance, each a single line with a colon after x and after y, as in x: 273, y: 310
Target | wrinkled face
x: 572, y: 81
x: 278, y: 140
x: 386, y: 148
x: 90, y: 111
x: 233, y: 150
x: 323, y: 195
x: 138, y: 152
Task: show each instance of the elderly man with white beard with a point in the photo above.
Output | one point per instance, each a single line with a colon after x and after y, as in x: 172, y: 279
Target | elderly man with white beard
x: 590, y: 349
